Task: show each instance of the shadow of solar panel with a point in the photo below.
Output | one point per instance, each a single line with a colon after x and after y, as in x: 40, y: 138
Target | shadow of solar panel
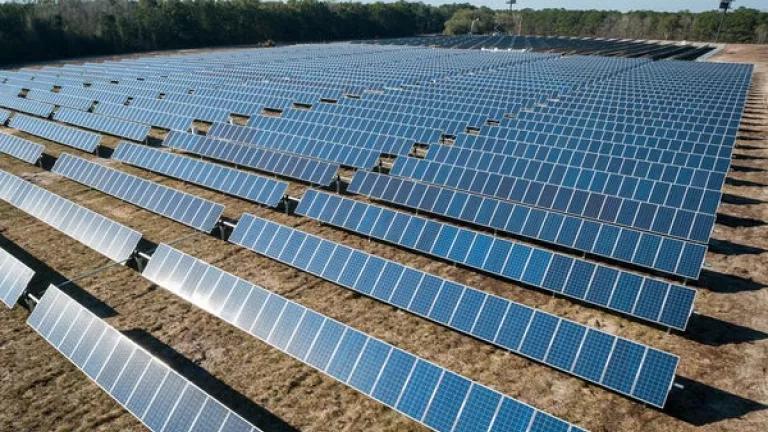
x: 532, y: 333
x: 231, y: 181
x: 20, y: 148
x: 645, y: 249
x: 14, y: 278
x: 142, y: 384
x: 180, y: 206
x: 101, y: 234
x: 76, y: 138
x: 284, y: 164
x: 112, y: 126
x: 645, y: 216
x: 416, y: 388
x: 27, y: 106
x: 343, y: 154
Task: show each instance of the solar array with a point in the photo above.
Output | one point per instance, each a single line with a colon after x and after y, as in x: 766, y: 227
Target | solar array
x: 144, y: 385
x: 14, y: 278
x: 101, y: 234
x: 109, y: 125
x: 20, y: 148
x: 417, y: 388
x: 625, y: 292
x: 596, y: 178
x: 180, y: 206
x: 563, y: 44
x: 231, y: 181
x: 69, y: 136
x: 618, y: 364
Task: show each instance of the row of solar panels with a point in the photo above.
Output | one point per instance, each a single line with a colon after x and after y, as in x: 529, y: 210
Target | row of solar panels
x: 611, y: 288
x: 159, y: 397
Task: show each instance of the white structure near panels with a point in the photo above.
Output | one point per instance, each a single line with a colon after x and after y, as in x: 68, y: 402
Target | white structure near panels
x: 180, y: 206
x: 101, y: 234
x: 162, y: 399
x: 14, y: 278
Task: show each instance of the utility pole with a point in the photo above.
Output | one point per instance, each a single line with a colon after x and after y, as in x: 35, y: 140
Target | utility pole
x: 724, y: 5
x: 511, y: 3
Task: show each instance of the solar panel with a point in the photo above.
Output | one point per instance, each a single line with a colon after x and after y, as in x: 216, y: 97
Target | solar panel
x: 664, y: 254
x: 180, y: 206
x: 39, y: 109
x: 14, y: 278
x: 231, y: 181
x: 4, y: 116
x: 512, y: 326
x: 101, y: 234
x: 20, y: 148
x: 109, y: 125
x: 65, y: 100
x: 142, y: 384
x: 343, y: 154
x: 139, y: 115
x: 416, y: 388
x: 284, y: 164
x: 646, y: 216
x: 76, y: 138
x: 629, y: 293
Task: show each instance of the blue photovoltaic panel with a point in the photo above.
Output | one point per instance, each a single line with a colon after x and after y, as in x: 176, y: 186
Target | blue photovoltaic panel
x: 284, y: 164
x: 629, y: 293
x: 101, y: 234
x: 645, y: 249
x: 69, y: 136
x: 512, y: 326
x: 139, y: 115
x: 235, y: 182
x: 4, y: 116
x: 14, y: 278
x: 65, y: 100
x: 109, y: 125
x: 646, y: 216
x: 142, y: 384
x: 180, y: 206
x: 348, y: 155
x: 27, y: 106
x: 20, y: 148
x: 414, y: 387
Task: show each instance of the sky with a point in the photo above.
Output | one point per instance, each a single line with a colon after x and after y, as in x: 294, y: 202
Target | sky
x: 622, y: 5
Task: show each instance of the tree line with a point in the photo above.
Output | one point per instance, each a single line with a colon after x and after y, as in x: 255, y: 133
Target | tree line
x: 45, y: 30
x: 740, y: 25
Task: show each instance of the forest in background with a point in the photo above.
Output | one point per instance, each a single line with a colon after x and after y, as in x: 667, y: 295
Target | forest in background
x: 741, y: 25
x: 57, y: 29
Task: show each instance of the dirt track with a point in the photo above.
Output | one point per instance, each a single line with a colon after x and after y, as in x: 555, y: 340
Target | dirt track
x: 724, y: 355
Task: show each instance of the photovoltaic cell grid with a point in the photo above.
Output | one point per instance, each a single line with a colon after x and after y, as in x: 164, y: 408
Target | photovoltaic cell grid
x: 182, y: 207
x: 14, y: 278
x: 587, y: 353
x: 421, y: 390
x: 26, y: 106
x: 109, y: 125
x: 644, y: 249
x: 231, y: 181
x: 343, y: 154
x: 69, y: 136
x: 141, y: 383
x: 101, y: 234
x: 645, y: 216
x: 284, y: 164
x: 20, y: 148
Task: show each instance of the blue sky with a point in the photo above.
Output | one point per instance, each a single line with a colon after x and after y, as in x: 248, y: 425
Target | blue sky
x: 623, y: 5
